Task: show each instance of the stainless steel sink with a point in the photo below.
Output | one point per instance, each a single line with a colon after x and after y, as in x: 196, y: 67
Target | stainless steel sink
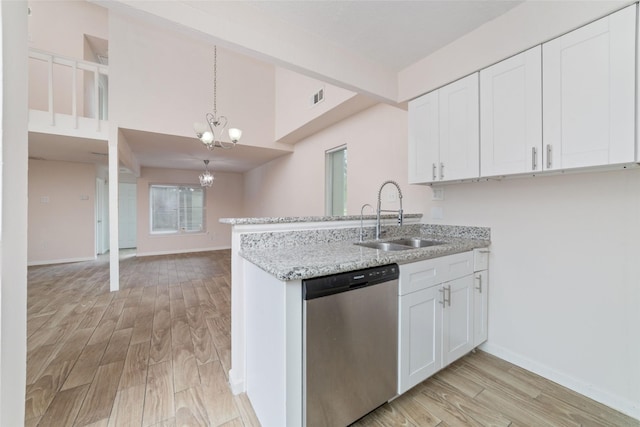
x: 400, y: 244
x: 385, y: 246
x: 416, y: 242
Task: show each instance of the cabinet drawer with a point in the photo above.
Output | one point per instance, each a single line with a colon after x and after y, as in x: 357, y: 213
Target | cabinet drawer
x: 419, y: 275
x: 424, y: 274
x: 480, y: 259
x: 456, y: 266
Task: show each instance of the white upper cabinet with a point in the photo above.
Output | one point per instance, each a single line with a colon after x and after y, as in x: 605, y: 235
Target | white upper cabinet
x: 511, y: 115
x: 589, y: 94
x: 444, y: 134
x: 424, y: 145
x: 459, y: 133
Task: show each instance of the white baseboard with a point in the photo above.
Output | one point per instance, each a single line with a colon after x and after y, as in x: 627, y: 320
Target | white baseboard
x: 625, y: 406
x: 182, y: 251
x: 60, y: 261
x: 236, y: 384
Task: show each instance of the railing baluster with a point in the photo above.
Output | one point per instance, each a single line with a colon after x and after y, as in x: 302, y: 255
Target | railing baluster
x: 96, y: 96
x: 75, y: 66
x: 74, y: 94
x: 50, y: 83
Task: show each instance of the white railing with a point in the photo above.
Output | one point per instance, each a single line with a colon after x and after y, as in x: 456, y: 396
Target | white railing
x: 96, y: 95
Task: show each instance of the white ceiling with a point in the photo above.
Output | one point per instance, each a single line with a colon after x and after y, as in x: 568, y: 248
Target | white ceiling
x: 393, y: 34
x: 390, y: 34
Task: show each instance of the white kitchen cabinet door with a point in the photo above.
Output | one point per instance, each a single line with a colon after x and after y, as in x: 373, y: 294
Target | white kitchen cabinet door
x: 589, y: 94
x: 420, y: 345
x: 457, y: 319
x: 459, y: 130
x: 480, y: 307
x: 511, y: 115
x: 424, y: 152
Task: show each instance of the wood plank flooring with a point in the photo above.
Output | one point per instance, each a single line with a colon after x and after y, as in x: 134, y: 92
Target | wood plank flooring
x: 157, y: 353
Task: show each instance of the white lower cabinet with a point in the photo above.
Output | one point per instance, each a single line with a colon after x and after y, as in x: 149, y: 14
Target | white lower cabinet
x: 457, y: 319
x: 420, y: 336
x: 437, y: 316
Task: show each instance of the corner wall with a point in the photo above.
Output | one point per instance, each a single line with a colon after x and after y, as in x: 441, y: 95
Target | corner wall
x: 376, y: 140
x: 223, y: 200
x: 61, y: 212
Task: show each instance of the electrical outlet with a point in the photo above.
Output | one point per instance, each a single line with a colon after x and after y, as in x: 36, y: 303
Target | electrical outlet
x: 438, y: 193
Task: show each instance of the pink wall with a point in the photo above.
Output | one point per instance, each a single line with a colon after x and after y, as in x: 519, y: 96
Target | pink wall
x: 59, y: 27
x: 61, y: 211
x: 162, y: 81
x: 223, y: 200
x: 293, y: 92
x: 376, y: 150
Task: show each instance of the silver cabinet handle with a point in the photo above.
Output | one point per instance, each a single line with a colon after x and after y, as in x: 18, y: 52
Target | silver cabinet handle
x: 433, y: 171
x: 449, y: 292
x: 444, y: 299
x: 479, y: 287
x: 534, y: 158
x: 548, y: 156
x: 441, y: 171
x: 484, y: 251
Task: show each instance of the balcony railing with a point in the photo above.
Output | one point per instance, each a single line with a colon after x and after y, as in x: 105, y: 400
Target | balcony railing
x: 67, y: 94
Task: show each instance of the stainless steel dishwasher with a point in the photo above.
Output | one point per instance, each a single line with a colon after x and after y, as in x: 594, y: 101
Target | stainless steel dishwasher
x: 350, y: 344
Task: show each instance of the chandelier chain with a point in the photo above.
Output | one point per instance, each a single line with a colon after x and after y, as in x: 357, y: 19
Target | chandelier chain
x: 215, y: 81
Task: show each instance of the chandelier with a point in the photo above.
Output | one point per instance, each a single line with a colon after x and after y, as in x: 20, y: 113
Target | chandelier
x: 211, y: 135
x: 206, y: 179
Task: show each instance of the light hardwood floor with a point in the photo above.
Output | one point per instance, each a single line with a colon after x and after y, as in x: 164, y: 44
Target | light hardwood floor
x: 157, y: 353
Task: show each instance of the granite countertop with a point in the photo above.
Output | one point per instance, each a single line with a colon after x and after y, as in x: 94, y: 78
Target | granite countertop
x: 321, y: 259
x: 296, y: 219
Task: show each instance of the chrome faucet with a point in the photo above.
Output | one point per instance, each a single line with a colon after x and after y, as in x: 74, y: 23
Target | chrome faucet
x: 361, y: 219
x: 380, y: 210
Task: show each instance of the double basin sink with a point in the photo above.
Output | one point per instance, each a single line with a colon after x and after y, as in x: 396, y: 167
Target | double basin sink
x: 401, y: 244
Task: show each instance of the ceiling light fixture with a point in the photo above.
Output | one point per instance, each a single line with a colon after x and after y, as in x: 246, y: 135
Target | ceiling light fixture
x: 212, y: 137
x: 206, y: 179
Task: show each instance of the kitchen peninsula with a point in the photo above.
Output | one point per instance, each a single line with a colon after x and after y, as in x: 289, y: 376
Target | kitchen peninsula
x: 270, y: 259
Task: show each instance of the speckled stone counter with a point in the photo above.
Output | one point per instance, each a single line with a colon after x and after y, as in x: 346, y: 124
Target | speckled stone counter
x: 305, y: 254
x: 298, y: 219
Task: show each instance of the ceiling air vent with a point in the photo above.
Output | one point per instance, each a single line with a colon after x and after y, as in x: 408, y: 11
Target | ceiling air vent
x: 317, y: 97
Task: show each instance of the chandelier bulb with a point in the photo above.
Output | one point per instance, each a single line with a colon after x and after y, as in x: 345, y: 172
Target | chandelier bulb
x: 215, y: 125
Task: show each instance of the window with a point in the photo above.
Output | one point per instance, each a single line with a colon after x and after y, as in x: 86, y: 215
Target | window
x: 336, y: 181
x: 176, y: 209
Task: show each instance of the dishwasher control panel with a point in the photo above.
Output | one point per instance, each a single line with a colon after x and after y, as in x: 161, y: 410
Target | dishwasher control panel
x: 341, y: 282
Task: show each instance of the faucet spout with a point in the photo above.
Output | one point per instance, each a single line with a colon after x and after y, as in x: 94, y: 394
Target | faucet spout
x: 399, y: 211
